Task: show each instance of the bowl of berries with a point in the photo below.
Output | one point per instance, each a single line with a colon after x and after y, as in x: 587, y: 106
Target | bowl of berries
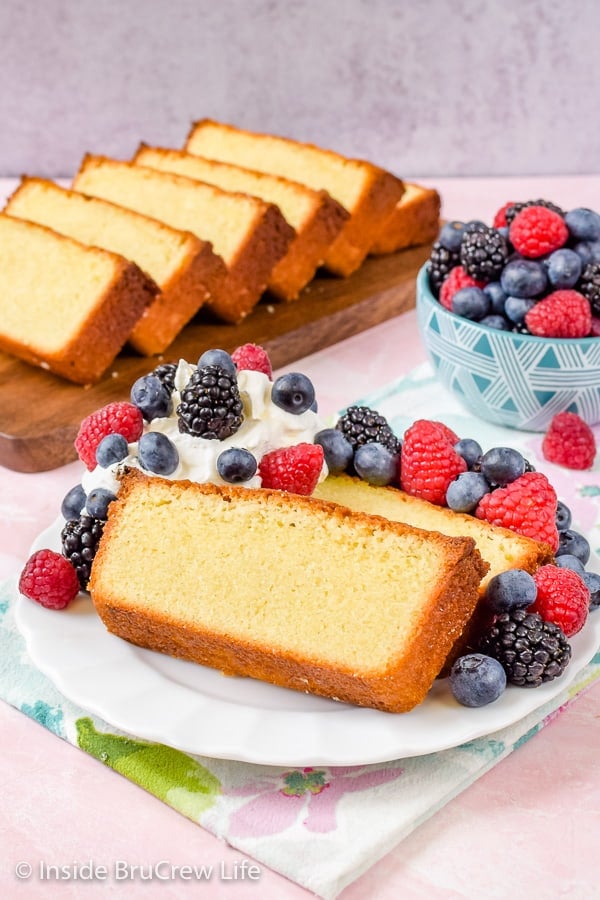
x: 509, y: 314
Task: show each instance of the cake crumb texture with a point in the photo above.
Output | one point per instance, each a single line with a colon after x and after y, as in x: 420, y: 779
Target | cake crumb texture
x: 292, y: 590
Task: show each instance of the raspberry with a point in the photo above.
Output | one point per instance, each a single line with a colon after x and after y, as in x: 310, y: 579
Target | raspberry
x: 562, y: 598
x: 429, y: 462
x: 537, y: 230
x: 564, y: 314
x: 49, y: 579
x: 253, y: 357
x: 595, y: 329
x: 120, y: 417
x: 295, y: 469
x: 527, y: 506
x: 456, y: 280
x: 500, y: 217
x: 569, y: 442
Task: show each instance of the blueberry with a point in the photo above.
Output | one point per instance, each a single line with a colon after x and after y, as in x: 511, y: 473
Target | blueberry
x: 510, y: 590
x: 470, y: 451
x: 97, y: 502
x: 501, y: 465
x: 111, y: 449
x: 568, y: 561
x: 573, y: 543
x: 465, y: 492
x: 497, y: 297
x: 218, y: 358
x: 73, y: 503
x: 523, y: 278
x: 592, y: 582
x: 471, y: 303
x: 376, y: 464
x: 495, y: 321
x: 583, y: 224
x: 564, y: 268
x: 293, y: 392
x: 236, y: 465
x: 337, y: 450
x: 476, y: 679
x: 563, y: 516
x: 451, y: 235
x: 588, y: 251
x: 151, y: 397
x: 516, y: 308
x: 157, y: 453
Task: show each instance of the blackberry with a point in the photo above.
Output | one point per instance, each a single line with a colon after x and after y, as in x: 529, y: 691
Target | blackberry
x: 80, y: 538
x: 166, y: 375
x: 441, y: 262
x: 210, y: 406
x: 483, y: 254
x: 516, y: 208
x: 589, y: 286
x: 530, y: 650
x: 361, y: 425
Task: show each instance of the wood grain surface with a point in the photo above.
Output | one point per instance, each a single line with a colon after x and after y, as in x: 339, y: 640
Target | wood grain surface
x: 40, y: 413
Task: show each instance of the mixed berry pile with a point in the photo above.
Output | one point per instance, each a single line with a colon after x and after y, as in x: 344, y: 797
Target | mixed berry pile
x: 530, y: 617
x: 535, y: 270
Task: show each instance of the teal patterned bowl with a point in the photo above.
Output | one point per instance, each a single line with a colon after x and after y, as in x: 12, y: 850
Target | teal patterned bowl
x: 516, y: 380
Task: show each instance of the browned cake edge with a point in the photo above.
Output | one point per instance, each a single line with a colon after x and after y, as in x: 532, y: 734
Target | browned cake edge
x: 250, y: 270
x: 202, y: 275
x: 308, y: 250
x: 380, y: 196
x: 399, y: 688
x: 410, y: 224
x: 86, y: 357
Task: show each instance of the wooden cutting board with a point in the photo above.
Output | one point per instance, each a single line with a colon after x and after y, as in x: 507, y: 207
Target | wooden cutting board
x: 40, y: 413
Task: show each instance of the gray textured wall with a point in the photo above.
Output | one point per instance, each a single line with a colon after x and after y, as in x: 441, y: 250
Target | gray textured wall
x: 425, y: 88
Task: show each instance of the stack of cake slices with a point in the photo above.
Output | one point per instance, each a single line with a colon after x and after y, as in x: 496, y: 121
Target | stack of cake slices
x: 214, y: 225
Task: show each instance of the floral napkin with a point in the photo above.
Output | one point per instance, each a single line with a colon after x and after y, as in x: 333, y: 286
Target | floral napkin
x: 321, y: 826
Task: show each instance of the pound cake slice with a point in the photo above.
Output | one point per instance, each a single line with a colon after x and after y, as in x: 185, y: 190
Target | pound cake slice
x: 316, y: 217
x: 250, y: 235
x: 294, y: 591
x: 64, y: 306
x: 500, y: 548
x: 184, y: 267
x: 415, y: 220
x: 367, y: 192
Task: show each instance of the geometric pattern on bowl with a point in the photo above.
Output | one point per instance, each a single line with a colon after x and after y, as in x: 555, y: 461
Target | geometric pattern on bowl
x: 520, y: 381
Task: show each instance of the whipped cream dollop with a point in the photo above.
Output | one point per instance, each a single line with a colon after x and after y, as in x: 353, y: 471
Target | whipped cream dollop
x: 265, y: 427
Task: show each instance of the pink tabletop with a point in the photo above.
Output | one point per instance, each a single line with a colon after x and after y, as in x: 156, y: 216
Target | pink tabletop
x: 527, y: 829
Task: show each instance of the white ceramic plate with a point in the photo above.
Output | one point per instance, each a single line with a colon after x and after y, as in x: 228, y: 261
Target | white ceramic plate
x: 200, y: 711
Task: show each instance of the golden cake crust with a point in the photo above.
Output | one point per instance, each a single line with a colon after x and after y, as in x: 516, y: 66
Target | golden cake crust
x: 198, y: 274
x: 415, y: 220
x: 315, y: 231
x: 85, y: 356
x: 200, y: 277
x: 397, y: 686
x: 259, y: 247
x: 375, y: 202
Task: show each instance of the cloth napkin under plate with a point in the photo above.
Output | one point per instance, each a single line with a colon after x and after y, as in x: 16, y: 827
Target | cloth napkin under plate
x: 322, y: 827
